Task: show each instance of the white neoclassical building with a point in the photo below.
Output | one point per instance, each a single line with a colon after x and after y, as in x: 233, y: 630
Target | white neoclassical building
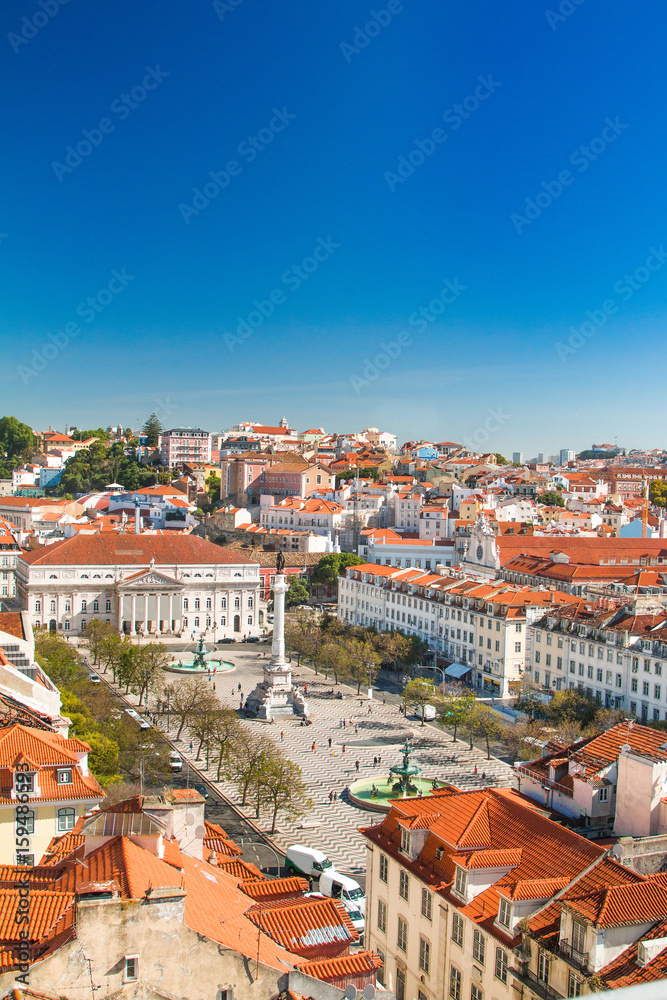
x: 144, y: 584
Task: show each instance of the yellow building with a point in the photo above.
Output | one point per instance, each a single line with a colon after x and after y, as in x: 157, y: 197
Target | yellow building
x: 45, y: 786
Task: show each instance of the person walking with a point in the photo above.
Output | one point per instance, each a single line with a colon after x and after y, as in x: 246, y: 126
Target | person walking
x: 313, y: 747
x: 330, y: 797
x: 375, y: 761
x: 335, y: 796
x: 356, y: 764
x: 282, y: 737
x: 475, y: 768
x: 330, y: 743
x: 343, y: 748
x: 343, y: 723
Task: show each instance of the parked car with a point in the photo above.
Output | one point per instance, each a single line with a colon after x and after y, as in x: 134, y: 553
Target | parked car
x: 203, y: 791
x: 342, y: 887
x: 175, y: 761
x: 143, y: 723
x: 252, y: 638
x: 94, y: 679
x: 224, y: 642
x: 306, y: 861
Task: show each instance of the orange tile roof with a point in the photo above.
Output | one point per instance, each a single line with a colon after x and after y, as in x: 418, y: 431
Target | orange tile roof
x: 624, y: 970
x: 12, y: 624
x: 275, y: 888
x: 50, y: 912
x: 619, y: 905
x: 305, y: 925
x: 113, y: 550
x: 343, y: 966
x: 239, y: 869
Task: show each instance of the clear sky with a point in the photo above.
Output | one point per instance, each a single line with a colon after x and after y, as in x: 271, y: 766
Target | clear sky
x: 274, y: 163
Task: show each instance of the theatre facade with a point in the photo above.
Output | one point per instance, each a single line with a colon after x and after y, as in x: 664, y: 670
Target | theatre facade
x: 143, y: 584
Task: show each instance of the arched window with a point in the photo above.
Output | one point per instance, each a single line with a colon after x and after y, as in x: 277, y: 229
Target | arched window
x: 208, y: 603
x: 38, y: 607
x: 237, y: 602
x: 66, y: 818
x: 108, y: 606
x: 208, y: 622
x: 96, y: 605
x: 196, y: 623
x: 53, y: 607
x: 223, y: 620
x: 250, y: 602
x: 83, y: 606
x: 185, y: 604
x: 67, y: 624
x: 83, y: 623
x: 185, y: 623
x: 249, y: 619
x: 197, y: 604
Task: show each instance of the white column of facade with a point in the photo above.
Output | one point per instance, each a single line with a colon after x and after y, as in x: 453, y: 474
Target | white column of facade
x: 158, y: 612
x: 120, y: 612
x: 133, y: 623
x: 171, y: 612
x: 145, y: 613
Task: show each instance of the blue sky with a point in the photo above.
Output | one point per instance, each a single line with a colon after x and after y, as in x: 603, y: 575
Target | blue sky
x: 305, y: 111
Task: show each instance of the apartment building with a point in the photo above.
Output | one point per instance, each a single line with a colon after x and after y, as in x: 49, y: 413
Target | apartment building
x: 296, y: 479
x: 479, y: 625
x: 618, y: 656
x: 9, y: 552
x: 450, y: 877
x: 321, y: 516
x: 184, y: 444
x: 407, y: 508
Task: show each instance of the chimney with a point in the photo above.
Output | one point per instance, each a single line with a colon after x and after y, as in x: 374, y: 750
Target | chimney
x: 137, y: 519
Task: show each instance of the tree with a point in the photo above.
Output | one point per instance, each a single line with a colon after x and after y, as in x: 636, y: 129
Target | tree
x: 301, y: 633
x: 103, y: 757
x: 187, y: 700
x: 17, y: 440
x: 572, y: 705
x: 501, y: 460
x: 333, y: 565
x: 152, y: 429
x: 333, y: 657
x: 59, y: 659
x: 486, y: 724
x: 657, y: 492
x: 551, y: 498
x: 94, y: 635
x: 530, y: 701
x: 420, y: 692
x: 248, y: 759
x: 148, y: 673
x: 298, y: 592
x: 457, y: 712
x: 225, y: 736
x: 285, y: 789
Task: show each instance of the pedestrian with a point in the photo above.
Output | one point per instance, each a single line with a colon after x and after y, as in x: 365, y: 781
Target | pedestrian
x: 375, y: 761
x: 214, y: 685
x: 330, y: 743
x: 384, y: 700
x: 239, y: 687
x: 483, y: 775
x: 343, y: 723
x: 330, y: 797
x: 190, y: 746
x: 343, y: 748
x: 475, y: 768
x: 379, y: 761
x: 335, y: 796
x: 370, y: 710
x: 356, y: 764
x: 282, y: 737
x: 313, y: 747
x: 356, y: 730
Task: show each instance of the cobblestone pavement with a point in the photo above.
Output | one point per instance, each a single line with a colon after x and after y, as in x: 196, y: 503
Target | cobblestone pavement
x: 332, y: 827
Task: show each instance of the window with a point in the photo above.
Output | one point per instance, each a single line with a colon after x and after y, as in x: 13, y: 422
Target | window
x: 402, y: 940
x: 382, y: 915
x: 131, y: 969
x: 223, y: 604
x: 427, y: 904
x: 83, y: 607
x: 25, y: 823
x: 579, y: 936
x: 67, y: 624
x: 573, y: 985
x: 237, y: 603
x: 383, y: 868
x: 504, y: 912
x: 250, y: 602
x: 196, y: 623
x: 501, y: 965
x: 400, y: 984
x: 53, y: 607
x: 223, y: 620
x: 517, y: 647
x: 65, y: 776
x: 543, y: 963
x: 478, y: 947
x: 24, y: 783
x: 645, y: 688
x: 38, y: 607
x: 461, y: 884
x: 457, y: 929
x: 476, y: 992
x: 405, y: 840
x: 633, y: 684
x: 186, y: 605
x: 604, y: 794
x: 96, y: 605
x: 454, y: 983
x: 404, y: 885
x: 66, y: 818
x: 197, y: 604
x: 108, y: 606
x: 424, y: 955
x: 249, y: 619
x: 208, y: 603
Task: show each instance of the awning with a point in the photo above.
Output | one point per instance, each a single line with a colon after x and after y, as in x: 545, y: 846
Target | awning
x: 457, y: 670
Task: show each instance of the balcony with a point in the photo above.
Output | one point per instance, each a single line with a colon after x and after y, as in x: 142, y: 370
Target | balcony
x: 574, y: 957
x: 544, y: 781
x: 539, y: 988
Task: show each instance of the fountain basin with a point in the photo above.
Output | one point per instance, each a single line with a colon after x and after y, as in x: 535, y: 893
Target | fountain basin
x: 188, y: 666
x: 359, y: 792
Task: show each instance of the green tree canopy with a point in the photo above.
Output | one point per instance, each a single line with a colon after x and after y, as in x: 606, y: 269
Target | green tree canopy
x: 152, y: 429
x: 298, y: 592
x: 421, y: 692
x: 333, y: 565
x: 552, y: 498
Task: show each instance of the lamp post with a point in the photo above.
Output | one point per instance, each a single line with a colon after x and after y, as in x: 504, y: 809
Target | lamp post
x: 257, y: 843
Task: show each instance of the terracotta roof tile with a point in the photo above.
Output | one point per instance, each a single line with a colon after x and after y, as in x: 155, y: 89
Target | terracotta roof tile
x: 119, y: 550
x: 306, y: 925
x: 344, y: 966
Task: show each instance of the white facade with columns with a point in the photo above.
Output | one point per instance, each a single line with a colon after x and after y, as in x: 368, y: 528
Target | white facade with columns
x: 143, y: 584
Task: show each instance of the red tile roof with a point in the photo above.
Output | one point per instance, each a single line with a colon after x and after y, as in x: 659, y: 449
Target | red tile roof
x: 132, y: 550
x: 12, y: 624
x: 341, y: 967
x: 275, y: 888
x: 306, y: 925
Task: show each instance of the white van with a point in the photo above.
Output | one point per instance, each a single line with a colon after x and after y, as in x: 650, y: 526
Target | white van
x: 300, y: 860
x: 342, y: 887
x: 175, y: 761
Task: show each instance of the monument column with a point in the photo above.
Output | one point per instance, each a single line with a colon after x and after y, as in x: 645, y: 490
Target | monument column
x: 280, y: 588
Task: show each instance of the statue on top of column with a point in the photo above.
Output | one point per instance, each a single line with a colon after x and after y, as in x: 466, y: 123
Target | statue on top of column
x: 280, y: 562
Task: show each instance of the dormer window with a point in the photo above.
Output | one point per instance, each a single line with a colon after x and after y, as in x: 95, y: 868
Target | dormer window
x: 64, y: 775
x: 24, y: 783
x: 505, y: 913
x: 461, y: 883
x: 405, y: 840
